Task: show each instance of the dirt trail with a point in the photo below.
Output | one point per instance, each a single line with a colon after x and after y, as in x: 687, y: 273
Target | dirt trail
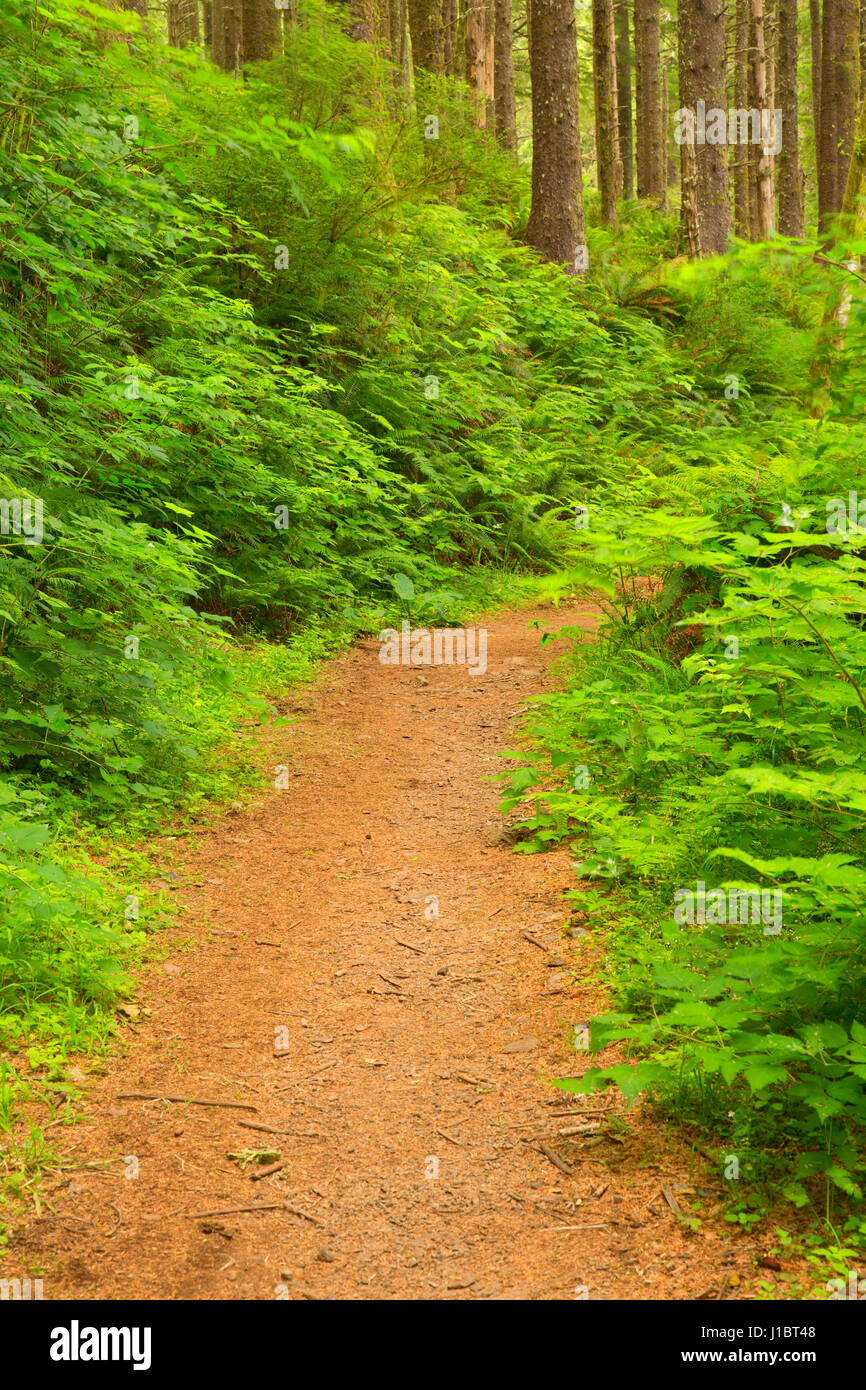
x: 411, y: 1130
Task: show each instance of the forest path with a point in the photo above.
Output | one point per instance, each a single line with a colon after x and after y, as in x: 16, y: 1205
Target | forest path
x: 408, y: 1084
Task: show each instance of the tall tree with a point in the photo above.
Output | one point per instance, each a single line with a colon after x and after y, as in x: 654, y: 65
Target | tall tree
x: 604, y: 84
x: 761, y: 204
x: 650, y: 124
x: 740, y: 151
x: 788, y: 159
x: 503, y: 77
x: 399, y: 28
x: 261, y: 30
x: 853, y: 225
x: 701, y: 35
x: 623, y: 95
x: 476, y: 57
x: 556, y: 224
x: 227, y: 25
x: 815, y: 32
x: 183, y: 22
x: 426, y: 27
x: 138, y: 7
x: 450, y: 36
x: 840, y: 41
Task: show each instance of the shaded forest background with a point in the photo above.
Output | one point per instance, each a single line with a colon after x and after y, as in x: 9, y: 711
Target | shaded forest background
x: 321, y: 316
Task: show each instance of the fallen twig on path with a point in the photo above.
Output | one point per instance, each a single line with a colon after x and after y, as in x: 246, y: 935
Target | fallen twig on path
x: 265, y: 1129
x: 186, y: 1100
x: 556, y: 1160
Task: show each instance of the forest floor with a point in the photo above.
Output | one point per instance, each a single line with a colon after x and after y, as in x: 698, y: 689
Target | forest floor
x: 398, y: 1062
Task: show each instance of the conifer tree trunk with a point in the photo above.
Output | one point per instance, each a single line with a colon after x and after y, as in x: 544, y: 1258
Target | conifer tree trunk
x: 701, y: 36
x: 604, y: 83
x: 399, y: 28
x: 428, y: 40
x: 261, y: 30
x: 840, y: 42
x: 740, y: 151
x: 503, y: 77
x: 853, y: 221
x: 450, y: 35
x: 788, y: 159
x: 761, y: 203
x: 227, y: 34
x: 556, y: 222
x: 623, y: 95
x: 815, y: 54
x: 476, y: 57
x: 650, y: 121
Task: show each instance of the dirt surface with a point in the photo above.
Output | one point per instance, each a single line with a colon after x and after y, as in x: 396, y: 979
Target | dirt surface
x: 352, y: 969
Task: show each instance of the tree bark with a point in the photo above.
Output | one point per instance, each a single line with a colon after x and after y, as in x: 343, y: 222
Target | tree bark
x: 840, y: 38
x: 650, y: 122
x: 815, y: 31
x: 740, y: 157
x: 788, y: 159
x: 428, y: 40
x: 450, y: 36
x: 227, y: 35
x: 261, y: 30
x: 476, y: 57
x: 701, y: 36
x: 556, y: 225
x: 503, y: 77
x: 853, y: 224
x: 623, y: 95
x: 604, y: 84
x: 761, y: 203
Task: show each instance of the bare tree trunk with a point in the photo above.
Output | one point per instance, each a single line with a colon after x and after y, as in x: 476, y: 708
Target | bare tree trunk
x: 261, y: 30
x: 604, y: 82
x: 840, y: 41
x: 428, y: 40
x: 650, y: 119
x: 815, y: 31
x: 670, y: 168
x: 740, y: 157
x: 623, y: 95
x: 476, y: 57
x: 218, y: 33
x: 450, y: 36
x: 227, y: 35
x: 761, y: 201
x: 701, y: 33
x: 556, y: 225
x: 503, y: 77
x: 853, y: 223
x: 788, y: 160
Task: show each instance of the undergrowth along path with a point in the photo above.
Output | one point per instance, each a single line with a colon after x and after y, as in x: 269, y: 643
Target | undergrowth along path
x: 372, y: 992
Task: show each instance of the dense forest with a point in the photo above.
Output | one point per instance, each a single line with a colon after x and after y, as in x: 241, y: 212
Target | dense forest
x: 321, y: 317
